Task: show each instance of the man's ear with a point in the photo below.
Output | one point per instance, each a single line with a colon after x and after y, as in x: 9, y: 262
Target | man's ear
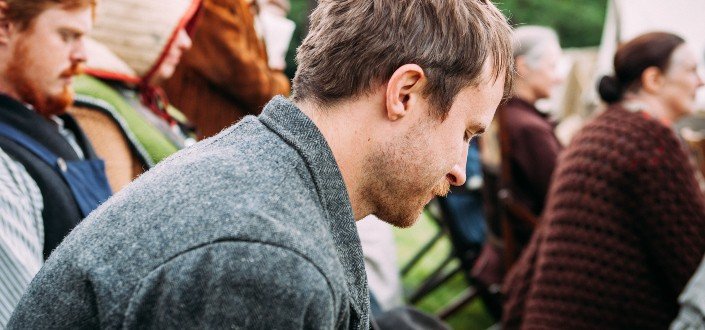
x: 5, y: 25
x: 403, y: 90
x: 651, y: 79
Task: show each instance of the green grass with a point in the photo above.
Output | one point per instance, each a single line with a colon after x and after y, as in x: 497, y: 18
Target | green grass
x: 409, y: 241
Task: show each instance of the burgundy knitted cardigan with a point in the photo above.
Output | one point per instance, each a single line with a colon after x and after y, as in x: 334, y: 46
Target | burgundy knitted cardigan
x: 622, y: 232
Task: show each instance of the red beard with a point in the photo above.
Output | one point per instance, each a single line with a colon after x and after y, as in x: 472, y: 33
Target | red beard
x: 28, y: 91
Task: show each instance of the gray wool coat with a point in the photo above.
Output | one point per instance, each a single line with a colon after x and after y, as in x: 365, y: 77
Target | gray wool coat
x: 250, y: 229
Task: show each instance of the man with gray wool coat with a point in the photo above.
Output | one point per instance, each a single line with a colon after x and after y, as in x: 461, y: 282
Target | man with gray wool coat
x: 254, y: 228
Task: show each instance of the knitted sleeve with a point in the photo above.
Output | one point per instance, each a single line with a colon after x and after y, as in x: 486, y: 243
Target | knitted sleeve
x: 621, y: 233
x: 672, y: 208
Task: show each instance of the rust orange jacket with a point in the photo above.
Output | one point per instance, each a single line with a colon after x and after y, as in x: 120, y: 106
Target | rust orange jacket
x: 225, y: 75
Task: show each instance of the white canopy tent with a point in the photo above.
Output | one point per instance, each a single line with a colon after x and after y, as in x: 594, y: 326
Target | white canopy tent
x: 627, y: 19
x: 577, y: 99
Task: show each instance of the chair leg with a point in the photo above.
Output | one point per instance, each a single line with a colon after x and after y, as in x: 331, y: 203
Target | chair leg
x: 427, y: 247
x: 492, y: 299
x: 458, y: 303
x: 434, y: 280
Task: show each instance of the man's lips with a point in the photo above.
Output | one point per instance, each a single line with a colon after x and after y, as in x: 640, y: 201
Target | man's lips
x: 68, y: 74
x: 67, y: 80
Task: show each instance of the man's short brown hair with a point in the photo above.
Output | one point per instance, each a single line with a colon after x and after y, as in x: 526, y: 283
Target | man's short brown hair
x: 356, y: 45
x: 23, y: 12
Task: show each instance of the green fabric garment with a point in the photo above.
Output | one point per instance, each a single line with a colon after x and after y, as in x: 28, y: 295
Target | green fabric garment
x: 154, y: 142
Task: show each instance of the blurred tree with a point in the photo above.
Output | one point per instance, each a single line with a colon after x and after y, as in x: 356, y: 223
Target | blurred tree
x: 299, y: 14
x: 578, y: 22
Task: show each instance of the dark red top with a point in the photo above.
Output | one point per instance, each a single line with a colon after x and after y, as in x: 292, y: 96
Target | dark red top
x: 534, y: 150
x: 623, y: 231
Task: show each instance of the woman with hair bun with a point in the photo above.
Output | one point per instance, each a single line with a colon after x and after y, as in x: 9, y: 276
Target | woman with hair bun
x: 623, y: 226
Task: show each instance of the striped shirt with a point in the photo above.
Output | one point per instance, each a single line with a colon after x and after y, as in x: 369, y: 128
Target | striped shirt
x: 21, y: 233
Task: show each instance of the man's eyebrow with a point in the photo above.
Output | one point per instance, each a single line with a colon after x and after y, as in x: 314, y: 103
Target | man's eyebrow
x: 72, y: 30
x: 476, y: 128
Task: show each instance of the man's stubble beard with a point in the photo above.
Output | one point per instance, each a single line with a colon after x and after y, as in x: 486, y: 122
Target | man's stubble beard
x: 27, y: 89
x: 386, y: 177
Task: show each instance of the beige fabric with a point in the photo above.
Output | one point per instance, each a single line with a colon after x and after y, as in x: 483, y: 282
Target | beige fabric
x: 121, y: 164
x: 101, y: 57
x: 380, y: 253
x: 137, y: 31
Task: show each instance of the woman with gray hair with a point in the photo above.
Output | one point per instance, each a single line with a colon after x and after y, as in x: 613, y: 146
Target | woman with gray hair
x: 529, y: 146
x: 621, y: 233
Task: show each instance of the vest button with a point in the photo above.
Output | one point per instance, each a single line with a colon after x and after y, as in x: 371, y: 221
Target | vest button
x: 62, y: 164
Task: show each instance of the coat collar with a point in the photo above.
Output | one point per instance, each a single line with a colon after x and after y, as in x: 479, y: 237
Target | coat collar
x: 294, y: 127
x: 524, y: 105
x: 44, y: 131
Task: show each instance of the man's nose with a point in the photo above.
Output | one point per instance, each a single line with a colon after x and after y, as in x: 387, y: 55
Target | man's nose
x: 78, y: 53
x: 456, y: 176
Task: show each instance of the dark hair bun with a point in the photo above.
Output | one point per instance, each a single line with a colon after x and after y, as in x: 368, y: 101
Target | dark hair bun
x: 610, y: 89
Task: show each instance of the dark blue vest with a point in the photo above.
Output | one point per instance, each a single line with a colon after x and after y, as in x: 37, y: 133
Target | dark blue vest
x: 70, y: 187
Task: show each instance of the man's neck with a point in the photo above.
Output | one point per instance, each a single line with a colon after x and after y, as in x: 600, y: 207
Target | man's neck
x: 343, y: 127
x: 5, y: 88
x: 5, y: 85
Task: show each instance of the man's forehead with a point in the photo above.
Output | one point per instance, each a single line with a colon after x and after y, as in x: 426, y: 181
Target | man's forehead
x: 491, y: 87
x: 492, y: 77
x: 476, y: 127
x: 481, y: 100
x: 79, y: 20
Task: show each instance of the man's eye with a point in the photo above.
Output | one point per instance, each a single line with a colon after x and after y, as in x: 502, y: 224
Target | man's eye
x: 67, y: 36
